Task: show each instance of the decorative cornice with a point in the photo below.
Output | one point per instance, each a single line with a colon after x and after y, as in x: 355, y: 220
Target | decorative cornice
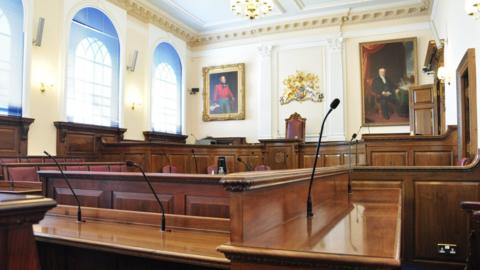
x: 422, y: 9
x: 149, y: 14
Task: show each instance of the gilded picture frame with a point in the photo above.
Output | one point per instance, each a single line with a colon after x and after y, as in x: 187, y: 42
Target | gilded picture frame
x: 398, y: 58
x: 224, y: 92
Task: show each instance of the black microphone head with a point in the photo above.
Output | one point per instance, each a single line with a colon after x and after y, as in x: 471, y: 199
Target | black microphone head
x: 354, y: 135
x: 239, y: 159
x: 193, y: 151
x: 130, y: 163
x: 334, y: 104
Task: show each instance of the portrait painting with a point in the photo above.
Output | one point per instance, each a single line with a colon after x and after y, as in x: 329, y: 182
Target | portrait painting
x: 224, y: 92
x: 388, y: 69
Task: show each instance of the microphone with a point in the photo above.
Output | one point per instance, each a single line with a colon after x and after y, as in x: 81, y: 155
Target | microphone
x: 133, y: 164
x: 333, y: 106
x: 169, y: 162
x: 249, y: 168
x: 79, y: 210
x: 354, y: 136
x: 195, y: 161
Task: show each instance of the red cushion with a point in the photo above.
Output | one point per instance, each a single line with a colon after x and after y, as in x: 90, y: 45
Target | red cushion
x: 118, y: 168
x: 32, y: 160
x: 77, y: 168
x: 294, y: 130
x: 48, y: 168
x: 8, y: 160
x: 23, y: 174
x: 259, y: 168
x: 169, y: 169
x: 98, y: 168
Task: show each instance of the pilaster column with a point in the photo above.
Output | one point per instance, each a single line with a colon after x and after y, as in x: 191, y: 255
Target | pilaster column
x: 265, y: 92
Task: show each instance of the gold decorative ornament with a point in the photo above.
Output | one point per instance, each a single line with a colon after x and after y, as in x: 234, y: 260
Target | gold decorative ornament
x: 301, y: 86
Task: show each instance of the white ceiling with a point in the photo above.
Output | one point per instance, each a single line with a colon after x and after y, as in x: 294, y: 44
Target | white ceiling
x: 207, y: 16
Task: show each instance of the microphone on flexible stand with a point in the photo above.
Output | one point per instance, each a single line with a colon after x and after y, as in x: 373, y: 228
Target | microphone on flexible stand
x: 249, y: 168
x: 195, y: 161
x: 354, y: 136
x: 169, y: 162
x: 79, y: 209
x: 133, y: 164
x: 333, y: 106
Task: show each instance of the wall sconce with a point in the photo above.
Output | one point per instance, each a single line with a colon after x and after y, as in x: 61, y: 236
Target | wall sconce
x: 472, y: 8
x: 44, y: 87
x: 134, y: 101
x: 442, y: 75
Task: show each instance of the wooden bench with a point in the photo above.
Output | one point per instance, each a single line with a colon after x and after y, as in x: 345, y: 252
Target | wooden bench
x: 37, y: 159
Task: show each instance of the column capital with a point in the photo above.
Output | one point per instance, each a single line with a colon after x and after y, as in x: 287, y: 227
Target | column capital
x: 335, y: 43
x: 264, y: 50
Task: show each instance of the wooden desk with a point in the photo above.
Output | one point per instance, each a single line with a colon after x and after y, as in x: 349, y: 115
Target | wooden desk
x: 270, y: 230
x: 25, y: 188
x: 17, y: 214
x: 114, y: 239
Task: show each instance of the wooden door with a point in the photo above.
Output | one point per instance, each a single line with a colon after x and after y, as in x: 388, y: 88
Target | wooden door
x: 423, y: 110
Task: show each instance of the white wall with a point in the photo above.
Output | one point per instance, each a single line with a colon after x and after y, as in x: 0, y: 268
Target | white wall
x: 48, y: 66
x: 460, y: 33
x: 332, y: 55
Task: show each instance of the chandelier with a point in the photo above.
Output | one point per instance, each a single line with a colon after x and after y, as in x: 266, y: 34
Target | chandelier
x: 472, y: 8
x: 251, y: 8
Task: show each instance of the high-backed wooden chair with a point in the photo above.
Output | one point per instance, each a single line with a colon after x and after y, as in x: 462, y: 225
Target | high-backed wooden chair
x: 295, y: 127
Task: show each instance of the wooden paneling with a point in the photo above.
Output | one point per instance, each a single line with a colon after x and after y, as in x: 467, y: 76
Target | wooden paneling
x: 14, y: 135
x: 144, y: 202
x: 430, y: 208
x: 429, y: 158
x: 152, y: 136
x: 207, y: 206
x: 82, y: 139
x: 389, y: 158
x: 439, y: 219
x: 181, y: 193
x: 406, y: 150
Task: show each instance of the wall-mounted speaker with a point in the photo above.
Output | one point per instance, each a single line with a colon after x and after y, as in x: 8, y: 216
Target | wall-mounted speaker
x: 133, y: 63
x: 39, y: 37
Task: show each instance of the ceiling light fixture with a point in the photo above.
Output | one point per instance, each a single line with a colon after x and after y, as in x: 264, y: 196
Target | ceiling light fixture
x: 251, y: 8
x: 472, y: 8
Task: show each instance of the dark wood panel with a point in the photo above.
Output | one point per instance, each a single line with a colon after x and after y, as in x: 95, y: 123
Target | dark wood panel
x: 207, y: 206
x: 332, y: 160
x: 389, y: 158
x: 439, y: 219
x: 14, y: 135
x: 438, y: 158
x: 87, y: 197
x: 145, y: 202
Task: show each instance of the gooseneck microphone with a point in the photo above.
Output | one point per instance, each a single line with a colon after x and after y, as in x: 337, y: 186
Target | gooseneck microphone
x: 79, y: 209
x: 133, y: 164
x: 354, y: 136
x: 249, y: 168
x: 333, y: 106
x: 195, y: 161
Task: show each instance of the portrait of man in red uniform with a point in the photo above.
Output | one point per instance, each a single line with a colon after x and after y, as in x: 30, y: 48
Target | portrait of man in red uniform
x: 223, y: 97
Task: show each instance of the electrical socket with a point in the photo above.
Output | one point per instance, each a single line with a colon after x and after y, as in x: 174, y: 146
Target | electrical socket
x: 447, y: 249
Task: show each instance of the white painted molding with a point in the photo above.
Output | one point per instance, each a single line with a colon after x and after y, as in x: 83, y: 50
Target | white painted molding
x: 264, y: 124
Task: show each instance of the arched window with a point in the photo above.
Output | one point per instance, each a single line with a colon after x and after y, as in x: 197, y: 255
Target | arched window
x: 93, y: 70
x: 166, y: 97
x: 11, y: 57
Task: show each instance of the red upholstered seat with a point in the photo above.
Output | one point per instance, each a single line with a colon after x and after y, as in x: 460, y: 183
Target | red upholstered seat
x: 262, y: 167
x: 74, y: 160
x: 169, y: 169
x: 8, y: 160
x: 48, y: 168
x: 212, y: 169
x: 76, y: 168
x: 23, y: 174
x: 118, y: 168
x: 98, y: 168
x: 32, y: 160
x: 295, y: 127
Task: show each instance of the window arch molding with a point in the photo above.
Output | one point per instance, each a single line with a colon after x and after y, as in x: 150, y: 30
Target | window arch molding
x: 118, y: 18
x: 92, y: 88
x: 166, y: 52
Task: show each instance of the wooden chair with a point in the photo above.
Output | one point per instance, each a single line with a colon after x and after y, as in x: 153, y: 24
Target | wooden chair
x: 169, y: 169
x: 295, y: 127
x: 262, y: 167
x: 23, y: 174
